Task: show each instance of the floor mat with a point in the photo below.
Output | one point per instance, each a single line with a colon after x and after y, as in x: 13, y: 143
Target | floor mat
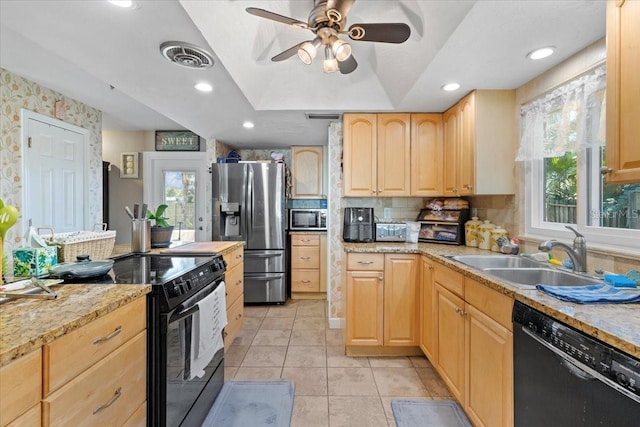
x: 428, y: 413
x: 252, y: 403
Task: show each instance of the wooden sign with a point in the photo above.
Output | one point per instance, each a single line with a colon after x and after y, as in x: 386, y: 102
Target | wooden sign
x: 177, y: 141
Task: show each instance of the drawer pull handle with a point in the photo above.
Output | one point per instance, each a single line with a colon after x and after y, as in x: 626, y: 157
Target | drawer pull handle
x: 365, y: 262
x: 239, y: 316
x: 306, y: 281
x: 305, y: 240
x: 460, y: 311
x: 238, y: 256
x: 224, y: 334
x: 115, y: 332
x: 239, y: 282
x: 305, y: 257
x: 111, y: 401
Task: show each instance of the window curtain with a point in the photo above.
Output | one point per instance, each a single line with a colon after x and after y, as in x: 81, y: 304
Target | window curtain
x: 569, y: 118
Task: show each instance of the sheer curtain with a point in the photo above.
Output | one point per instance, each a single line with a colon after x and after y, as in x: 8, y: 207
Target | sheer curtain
x: 569, y: 118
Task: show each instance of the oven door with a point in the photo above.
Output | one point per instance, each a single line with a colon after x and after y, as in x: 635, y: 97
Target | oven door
x: 177, y: 399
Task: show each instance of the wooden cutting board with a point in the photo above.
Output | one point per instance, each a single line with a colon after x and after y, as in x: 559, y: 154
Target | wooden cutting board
x: 201, y: 247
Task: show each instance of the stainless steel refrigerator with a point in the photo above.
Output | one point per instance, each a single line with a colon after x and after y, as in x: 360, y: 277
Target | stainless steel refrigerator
x: 249, y: 206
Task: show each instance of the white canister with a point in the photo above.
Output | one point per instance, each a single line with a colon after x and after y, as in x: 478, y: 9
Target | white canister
x: 497, y: 233
x: 484, y: 234
x: 471, y: 232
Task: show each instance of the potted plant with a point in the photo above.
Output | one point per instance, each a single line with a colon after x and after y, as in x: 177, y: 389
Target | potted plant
x: 160, y: 230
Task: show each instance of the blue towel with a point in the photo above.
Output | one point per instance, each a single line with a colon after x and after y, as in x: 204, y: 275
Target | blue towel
x: 619, y: 281
x: 603, y: 293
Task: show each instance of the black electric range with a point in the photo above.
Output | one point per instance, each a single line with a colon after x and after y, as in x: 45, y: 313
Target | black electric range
x: 178, y: 283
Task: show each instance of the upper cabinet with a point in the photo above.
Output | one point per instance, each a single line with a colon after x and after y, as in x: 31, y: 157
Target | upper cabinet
x: 376, y: 155
x: 307, y: 172
x: 426, y: 155
x: 479, y: 144
x: 623, y: 91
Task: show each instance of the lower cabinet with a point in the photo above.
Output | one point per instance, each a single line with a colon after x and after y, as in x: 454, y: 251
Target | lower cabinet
x: 469, y: 341
x: 308, y: 265
x: 382, y: 300
x: 234, y: 288
x: 21, y: 390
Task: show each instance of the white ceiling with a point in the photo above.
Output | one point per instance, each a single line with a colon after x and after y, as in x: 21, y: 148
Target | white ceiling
x: 109, y: 58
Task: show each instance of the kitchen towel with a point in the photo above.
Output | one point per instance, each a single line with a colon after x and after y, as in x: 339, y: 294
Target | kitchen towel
x: 206, y: 333
x: 602, y: 293
x: 422, y: 412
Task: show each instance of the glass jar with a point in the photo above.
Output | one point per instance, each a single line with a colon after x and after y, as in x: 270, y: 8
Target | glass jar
x: 471, y: 232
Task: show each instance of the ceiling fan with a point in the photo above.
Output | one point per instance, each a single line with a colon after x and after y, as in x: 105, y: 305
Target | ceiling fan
x: 327, y: 20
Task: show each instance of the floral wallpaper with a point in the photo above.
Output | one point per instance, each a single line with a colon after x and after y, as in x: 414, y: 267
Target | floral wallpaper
x: 336, y: 257
x: 16, y: 93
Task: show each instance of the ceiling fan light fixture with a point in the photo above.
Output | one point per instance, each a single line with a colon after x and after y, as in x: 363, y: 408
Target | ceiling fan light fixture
x: 308, y: 50
x: 340, y: 48
x: 330, y: 64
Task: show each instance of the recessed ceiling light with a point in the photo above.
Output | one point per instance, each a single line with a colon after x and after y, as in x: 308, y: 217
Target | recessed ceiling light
x: 204, y: 87
x: 248, y: 125
x: 451, y: 86
x: 543, y: 52
x: 125, y: 4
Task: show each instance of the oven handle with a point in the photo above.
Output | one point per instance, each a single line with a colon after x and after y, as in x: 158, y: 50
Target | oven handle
x: 581, y: 366
x: 184, y: 313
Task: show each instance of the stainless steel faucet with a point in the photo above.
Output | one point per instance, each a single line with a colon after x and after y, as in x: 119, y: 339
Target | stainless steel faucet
x: 578, y: 253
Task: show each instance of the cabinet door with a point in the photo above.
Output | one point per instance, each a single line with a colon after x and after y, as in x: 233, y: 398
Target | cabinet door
x: 394, y: 155
x: 359, y: 138
x: 306, y: 171
x: 364, y: 308
x: 426, y: 154
x: 465, y: 181
x: 451, y: 340
x: 428, y: 320
x: 623, y: 91
x: 450, y: 153
x: 489, y: 376
x: 401, y: 300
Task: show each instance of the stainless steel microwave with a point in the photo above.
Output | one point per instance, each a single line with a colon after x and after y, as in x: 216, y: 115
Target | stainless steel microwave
x: 307, y: 219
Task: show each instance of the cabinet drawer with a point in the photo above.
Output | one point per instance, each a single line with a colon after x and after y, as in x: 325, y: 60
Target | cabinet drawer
x: 305, y: 240
x: 490, y: 302
x: 233, y: 257
x: 305, y: 257
x: 449, y: 279
x: 234, y: 284
x: 20, y: 386
x: 365, y: 262
x: 108, y: 393
x: 31, y: 418
x: 73, y: 353
x: 305, y: 280
x: 235, y: 317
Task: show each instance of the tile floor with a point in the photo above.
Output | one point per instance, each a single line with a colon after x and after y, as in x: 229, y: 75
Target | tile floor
x: 293, y: 341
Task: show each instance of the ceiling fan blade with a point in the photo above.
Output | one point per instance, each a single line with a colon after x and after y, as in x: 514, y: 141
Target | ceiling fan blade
x: 348, y: 65
x: 275, y: 17
x: 386, y: 33
x: 287, y: 53
x: 342, y: 6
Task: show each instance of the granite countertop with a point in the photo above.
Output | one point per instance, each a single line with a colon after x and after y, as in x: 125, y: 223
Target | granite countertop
x: 307, y: 232
x: 27, y: 324
x: 615, y: 324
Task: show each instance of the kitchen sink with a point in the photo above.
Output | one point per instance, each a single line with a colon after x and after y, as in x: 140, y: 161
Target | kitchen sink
x: 496, y: 261
x: 534, y: 276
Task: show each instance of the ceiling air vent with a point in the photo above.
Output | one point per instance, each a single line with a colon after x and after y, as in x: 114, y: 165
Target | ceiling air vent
x: 187, y: 55
x: 322, y: 116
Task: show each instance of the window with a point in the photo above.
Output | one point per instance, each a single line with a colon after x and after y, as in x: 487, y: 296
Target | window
x: 561, y: 144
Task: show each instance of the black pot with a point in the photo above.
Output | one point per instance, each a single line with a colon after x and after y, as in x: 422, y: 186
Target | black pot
x: 83, y: 268
x: 161, y: 236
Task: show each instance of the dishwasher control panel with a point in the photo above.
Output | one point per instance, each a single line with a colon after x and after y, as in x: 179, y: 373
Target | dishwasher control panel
x: 580, y: 348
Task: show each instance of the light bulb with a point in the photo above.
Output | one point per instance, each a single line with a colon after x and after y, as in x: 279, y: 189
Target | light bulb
x: 330, y: 64
x: 308, y: 50
x: 340, y: 48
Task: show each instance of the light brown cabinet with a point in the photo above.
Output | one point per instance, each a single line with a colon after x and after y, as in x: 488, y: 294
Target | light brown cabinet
x: 376, y: 155
x: 427, y: 155
x: 307, y: 172
x: 623, y: 91
x: 428, y: 318
x: 308, y: 265
x: 21, y: 390
x: 474, y: 341
x: 479, y: 144
x: 382, y: 300
x: 234, y: 288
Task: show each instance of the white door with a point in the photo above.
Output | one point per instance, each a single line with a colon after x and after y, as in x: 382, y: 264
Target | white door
x: 54, y: 176
x: 179, y: 180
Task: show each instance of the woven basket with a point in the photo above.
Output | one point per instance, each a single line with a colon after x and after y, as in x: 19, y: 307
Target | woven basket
x: 97, y: 244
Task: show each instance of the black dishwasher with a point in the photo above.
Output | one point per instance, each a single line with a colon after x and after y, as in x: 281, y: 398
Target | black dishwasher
x: 564, y: 377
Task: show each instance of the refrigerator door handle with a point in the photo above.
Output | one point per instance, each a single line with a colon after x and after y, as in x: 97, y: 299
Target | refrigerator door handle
x: 262, y: 255
x: 248, y: 202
